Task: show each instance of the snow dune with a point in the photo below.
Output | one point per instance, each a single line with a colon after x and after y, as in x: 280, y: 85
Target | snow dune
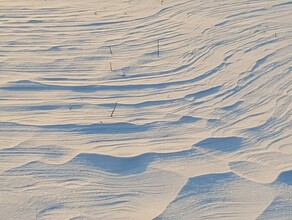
x: 201, y: 132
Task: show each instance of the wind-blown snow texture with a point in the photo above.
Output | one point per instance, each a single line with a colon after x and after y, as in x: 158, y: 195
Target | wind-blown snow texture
x: 201, y: 132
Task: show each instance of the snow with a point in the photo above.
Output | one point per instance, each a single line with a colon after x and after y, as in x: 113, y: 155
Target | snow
x: 95, y: 125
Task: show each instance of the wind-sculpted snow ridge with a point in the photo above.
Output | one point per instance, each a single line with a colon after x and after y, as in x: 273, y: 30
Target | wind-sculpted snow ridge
x: 130, y: 109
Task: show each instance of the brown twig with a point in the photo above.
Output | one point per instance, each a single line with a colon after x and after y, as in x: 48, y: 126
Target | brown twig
x: 114, y: 109
x: 110, y: 50
x: 111, y: 66
x: 158, y: 48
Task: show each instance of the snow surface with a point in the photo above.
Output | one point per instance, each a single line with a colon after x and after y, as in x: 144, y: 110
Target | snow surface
x: 204, y: 131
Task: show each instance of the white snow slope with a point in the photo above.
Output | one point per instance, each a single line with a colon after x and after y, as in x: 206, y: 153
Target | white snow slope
x: 204, y: 131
